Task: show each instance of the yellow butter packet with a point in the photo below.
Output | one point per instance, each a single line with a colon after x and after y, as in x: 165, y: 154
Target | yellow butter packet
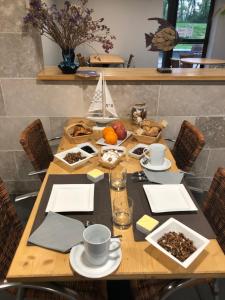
x: 146, y: 224
x: 95, y: 175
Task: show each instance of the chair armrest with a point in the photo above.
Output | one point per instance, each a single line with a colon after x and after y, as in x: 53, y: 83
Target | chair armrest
x: 26, y: 196
x: 32, y: 173
x: 170, y: 140
x: 54, y: 138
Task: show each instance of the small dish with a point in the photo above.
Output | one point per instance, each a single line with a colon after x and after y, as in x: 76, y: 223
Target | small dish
x: 172, y: 225
x: 101, y: 141
x: 165, y: 166
x: 85, y: 146
x: 80, y: 264
x: 61, y: 155
x: 137, y: 156
x: 120, y: 150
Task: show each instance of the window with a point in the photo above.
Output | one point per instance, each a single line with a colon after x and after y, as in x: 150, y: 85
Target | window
x: 192, y: 20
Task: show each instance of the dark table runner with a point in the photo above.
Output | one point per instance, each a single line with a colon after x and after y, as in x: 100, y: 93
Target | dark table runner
x: 102, y: 202
x: 194, y: 220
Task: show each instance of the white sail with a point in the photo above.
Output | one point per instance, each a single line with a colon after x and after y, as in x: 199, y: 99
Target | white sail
x: 96, y: 103
x: 109, y: 105
x: 102, y: 109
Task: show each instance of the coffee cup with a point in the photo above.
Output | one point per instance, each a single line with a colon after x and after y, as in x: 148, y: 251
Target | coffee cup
x: 97, y: 239
x: 155, y: 153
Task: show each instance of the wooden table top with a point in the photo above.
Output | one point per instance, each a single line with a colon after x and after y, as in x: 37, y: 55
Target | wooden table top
x: 202, y: 61
x: 105, y: 59
x: 139, y: 259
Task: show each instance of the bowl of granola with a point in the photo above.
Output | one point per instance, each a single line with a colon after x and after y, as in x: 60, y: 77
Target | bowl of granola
x: 179, y: 242
x: 73, y: 157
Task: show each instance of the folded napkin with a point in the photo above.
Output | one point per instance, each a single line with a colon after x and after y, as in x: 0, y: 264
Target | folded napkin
x: 165, y: 177
x: 58, y: 232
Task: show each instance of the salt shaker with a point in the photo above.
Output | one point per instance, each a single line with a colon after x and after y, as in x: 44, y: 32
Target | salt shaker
x: 138, y: 112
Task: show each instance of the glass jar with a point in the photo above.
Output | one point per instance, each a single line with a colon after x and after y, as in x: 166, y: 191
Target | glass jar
x: 138, y: 112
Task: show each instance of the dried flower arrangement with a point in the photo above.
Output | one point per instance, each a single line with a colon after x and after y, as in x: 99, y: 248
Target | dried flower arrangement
x: 69, y: 26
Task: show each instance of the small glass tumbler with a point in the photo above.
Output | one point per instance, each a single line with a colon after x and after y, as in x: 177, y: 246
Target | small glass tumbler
x: 118, y: 178
x: 122, y: 211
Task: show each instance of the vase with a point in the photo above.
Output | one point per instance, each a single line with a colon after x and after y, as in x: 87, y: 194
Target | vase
x: 68, y: 65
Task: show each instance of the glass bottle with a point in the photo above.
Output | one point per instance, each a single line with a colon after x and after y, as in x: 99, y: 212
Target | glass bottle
x: 138, y: 112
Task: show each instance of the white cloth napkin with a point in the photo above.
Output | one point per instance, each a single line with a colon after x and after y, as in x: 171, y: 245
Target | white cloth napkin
x: 165, y: 177
x: 58, y: 232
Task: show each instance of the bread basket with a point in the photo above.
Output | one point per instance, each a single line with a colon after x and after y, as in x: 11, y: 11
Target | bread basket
x: 69, y: 130
x: 145, y: 138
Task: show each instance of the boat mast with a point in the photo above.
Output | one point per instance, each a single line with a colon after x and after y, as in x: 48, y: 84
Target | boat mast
x: 103, y: 95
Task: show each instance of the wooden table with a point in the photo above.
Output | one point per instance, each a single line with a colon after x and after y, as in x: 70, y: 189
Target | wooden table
x: 202, y: 61
x: 140, y: 259
x: 106, y: 59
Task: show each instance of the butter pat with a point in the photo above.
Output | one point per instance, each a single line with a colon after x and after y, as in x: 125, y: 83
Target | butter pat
x: 95, y: 175
x: 146, y: 224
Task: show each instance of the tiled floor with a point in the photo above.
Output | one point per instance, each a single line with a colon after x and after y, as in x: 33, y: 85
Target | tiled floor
x: 119, y: 290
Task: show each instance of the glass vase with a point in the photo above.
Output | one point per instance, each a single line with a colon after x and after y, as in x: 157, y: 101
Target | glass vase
x: 68, y: 65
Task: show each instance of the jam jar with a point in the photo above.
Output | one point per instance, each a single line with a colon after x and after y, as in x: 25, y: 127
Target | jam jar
x: 138, y: 112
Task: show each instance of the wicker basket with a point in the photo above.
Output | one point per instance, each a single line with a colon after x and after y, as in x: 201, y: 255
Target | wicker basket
x: 77, y: 139
x: 145, y: 139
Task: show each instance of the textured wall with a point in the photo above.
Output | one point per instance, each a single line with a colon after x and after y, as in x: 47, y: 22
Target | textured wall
x: 23, y: 99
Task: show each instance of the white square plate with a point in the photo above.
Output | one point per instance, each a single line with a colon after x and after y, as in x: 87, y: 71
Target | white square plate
x: 199, y: 241
x: 71, y: 197
x: 101, y: 141
x: 169, y: 198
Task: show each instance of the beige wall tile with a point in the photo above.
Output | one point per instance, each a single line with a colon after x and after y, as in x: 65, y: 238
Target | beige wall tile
x: 20, y: 55
x: 213, y: 129
x: 27, y: 98
x: 192, y: 99
x: 57, y: 125
x: 216, y: 160
x: 11, y: 15
x: 2, y: 106
x: 20, y: 187
x: 7, y: 166
x: 199, y: 167
x: 23, y: 166
x: 11, y: 129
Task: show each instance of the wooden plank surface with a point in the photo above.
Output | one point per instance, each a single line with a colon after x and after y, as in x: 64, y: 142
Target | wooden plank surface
x: 137, y: 74
x: 140, y: 260
x: 203, y: 61
x: 106, y: 59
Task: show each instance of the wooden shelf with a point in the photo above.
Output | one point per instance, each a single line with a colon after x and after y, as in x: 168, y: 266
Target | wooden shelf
x: 136, y: 74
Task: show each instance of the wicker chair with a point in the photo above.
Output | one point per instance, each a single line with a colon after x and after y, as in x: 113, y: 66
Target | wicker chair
x: 10, y: 232
x: 35, y: 143
x: 188, y: 145
x: 214, y: 209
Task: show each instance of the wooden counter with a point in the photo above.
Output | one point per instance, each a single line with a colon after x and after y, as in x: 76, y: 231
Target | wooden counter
x: 136, y: 74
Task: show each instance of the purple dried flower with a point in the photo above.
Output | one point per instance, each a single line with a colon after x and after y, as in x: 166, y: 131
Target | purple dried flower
x: 70, y: 26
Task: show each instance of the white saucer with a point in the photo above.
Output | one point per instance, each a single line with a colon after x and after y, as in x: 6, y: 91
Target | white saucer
x: 166, y: 165
x: 80, y: 264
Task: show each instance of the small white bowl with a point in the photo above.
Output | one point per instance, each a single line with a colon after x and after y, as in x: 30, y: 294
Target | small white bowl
x: 120, y: 150
x: 199, y: 241
x: 131, y: 151
x: 60, y: 156
x: 89, y: 145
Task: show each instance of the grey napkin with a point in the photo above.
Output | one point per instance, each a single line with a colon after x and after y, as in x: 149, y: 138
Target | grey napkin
x: 165, y: 177
x: 58, y: 232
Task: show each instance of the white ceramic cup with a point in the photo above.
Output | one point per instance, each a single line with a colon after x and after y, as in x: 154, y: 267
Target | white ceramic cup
x: 96, y: 243
x: 155, y: 153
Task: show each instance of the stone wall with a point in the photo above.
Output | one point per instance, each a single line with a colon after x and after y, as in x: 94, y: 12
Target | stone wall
x: 23, y: 99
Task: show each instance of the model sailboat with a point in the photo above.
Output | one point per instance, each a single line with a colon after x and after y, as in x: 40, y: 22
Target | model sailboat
x: 102, y: 109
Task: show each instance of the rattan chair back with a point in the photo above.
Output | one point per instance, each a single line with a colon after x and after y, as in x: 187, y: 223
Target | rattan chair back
x: 214, y: 206
x: 35, y: 143
x: 188, y: 145
x: 10, y: 231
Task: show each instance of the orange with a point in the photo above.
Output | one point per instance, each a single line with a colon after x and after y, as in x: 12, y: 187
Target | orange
x: 111, y: 138
x: 107, y: 130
